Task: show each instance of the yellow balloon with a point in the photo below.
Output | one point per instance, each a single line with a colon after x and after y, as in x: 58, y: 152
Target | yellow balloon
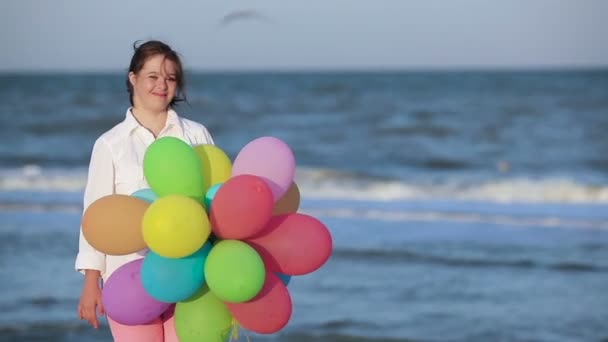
x: 216, y: 165
x: 175, y: 226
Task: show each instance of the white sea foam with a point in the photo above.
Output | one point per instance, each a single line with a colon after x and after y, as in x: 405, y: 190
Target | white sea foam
x: 332, y: 184
x: 35, y: 178
x: 322, y: 183
x: 472, y: 217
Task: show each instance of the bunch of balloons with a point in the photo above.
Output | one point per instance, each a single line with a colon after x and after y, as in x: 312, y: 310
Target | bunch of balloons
x: 224, y: 239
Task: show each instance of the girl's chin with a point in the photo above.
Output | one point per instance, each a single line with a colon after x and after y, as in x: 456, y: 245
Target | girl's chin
x: 156, y: 108
x: 159, y: 104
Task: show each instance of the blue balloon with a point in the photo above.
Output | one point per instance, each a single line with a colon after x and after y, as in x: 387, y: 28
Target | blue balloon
x: 210, y: 194
x: 284, y: 278
x: 172, y: 280
x: 145, y: 194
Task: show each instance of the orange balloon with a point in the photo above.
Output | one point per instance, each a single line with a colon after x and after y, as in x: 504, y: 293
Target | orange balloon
x: 289, y: 203
x: 112, y: 224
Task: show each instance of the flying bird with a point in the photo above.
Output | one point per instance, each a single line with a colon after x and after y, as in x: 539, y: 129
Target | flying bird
x: 249, y: 14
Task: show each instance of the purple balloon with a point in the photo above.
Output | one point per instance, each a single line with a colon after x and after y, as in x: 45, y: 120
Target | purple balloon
x: 270, y: 159
x: 125, y: 300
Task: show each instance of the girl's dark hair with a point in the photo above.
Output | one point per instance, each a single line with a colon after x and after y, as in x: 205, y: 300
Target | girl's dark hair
x: 151, y: 48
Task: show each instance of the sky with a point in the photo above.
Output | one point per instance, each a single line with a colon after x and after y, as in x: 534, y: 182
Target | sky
x: 80, y: 35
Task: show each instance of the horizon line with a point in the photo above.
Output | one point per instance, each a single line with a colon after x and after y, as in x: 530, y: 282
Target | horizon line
x: 370, y: 69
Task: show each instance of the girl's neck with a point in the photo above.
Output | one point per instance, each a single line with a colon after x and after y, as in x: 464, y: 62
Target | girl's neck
x: 152, y: 121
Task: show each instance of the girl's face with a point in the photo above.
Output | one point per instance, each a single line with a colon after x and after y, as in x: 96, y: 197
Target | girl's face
x: 155, y: 84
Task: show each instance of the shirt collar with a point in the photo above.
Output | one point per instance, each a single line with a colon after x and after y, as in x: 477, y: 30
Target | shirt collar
x: 173, y: 121
x: 130, y: 121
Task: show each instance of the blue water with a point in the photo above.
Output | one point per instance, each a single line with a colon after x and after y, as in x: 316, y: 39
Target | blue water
x: 464, y: 206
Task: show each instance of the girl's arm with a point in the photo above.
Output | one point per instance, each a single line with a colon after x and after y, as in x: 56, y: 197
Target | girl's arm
x: 92, y: 263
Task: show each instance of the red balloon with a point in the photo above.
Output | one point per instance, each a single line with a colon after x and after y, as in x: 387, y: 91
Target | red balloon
x: 241, y: 207
x: 293, y: 244
x: 268, y: 312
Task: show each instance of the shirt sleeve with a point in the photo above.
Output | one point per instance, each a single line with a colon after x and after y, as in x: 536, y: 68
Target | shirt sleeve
x: 100, y: 182
x: 207, y: 137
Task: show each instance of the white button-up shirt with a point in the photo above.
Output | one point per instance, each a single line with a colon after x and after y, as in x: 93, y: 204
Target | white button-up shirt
x: 116, y: 167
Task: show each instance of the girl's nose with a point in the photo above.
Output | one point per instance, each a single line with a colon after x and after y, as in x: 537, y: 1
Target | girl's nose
x: 162, y: 83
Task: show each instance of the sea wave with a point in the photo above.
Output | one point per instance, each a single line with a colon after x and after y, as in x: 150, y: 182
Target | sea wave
x: 509, y: 217
x: 327, y: 183
x: 333, y: 184
x: 410, y: 256
x: 36, y: 178
x: 337, y: 337
x: 53, y: 331
x: 80, y: 331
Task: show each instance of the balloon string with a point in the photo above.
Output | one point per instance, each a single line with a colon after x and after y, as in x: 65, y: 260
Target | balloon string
x: 234, y: 331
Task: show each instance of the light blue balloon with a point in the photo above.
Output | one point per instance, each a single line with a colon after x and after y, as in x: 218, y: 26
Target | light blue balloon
x: 172, y: 280
x: 284, y: 278
x: 210, y: 194
x: 145, y: 194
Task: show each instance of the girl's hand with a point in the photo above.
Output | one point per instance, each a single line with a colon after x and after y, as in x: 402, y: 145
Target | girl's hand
x: 90, y: 299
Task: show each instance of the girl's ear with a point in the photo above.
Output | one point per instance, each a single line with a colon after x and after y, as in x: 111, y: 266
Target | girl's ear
x: 132, y: 77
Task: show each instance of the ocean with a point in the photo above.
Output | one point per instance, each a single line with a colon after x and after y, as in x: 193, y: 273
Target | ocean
x: 463, y: 206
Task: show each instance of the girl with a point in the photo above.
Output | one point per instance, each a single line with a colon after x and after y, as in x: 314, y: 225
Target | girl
x: 155, y: 84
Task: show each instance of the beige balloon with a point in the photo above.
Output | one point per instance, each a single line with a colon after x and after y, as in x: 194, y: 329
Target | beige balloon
x: 289, y: 203
x: 112, y: 224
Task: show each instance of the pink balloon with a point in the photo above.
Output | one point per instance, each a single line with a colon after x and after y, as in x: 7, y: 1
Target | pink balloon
x: 241, y: 207
x: 293, y: 244
x: 269, y: 158
x: 268, y: 312
x: 125, y: 300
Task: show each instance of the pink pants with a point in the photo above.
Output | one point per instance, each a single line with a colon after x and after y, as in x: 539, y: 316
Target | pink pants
x: 160, y: 330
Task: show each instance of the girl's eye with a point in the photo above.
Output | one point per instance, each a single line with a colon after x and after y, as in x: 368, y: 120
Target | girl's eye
x: 153, y: 77
x: 171, y: 79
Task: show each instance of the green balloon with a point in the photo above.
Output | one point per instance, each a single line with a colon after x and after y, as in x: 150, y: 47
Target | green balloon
x: 172, y: 167
x: 234, y: 271
x: 202, y: 317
